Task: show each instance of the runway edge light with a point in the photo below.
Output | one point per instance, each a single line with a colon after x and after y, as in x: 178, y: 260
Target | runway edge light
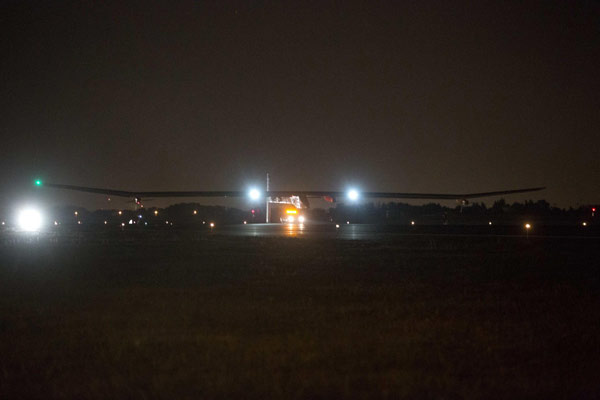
x: 38, y: 182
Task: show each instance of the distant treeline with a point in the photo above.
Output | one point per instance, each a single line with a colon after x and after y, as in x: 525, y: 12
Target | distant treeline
x: 499, y: 212
x: 392, y: 213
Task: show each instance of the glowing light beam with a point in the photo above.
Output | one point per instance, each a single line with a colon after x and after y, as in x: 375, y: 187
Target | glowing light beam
x: 30, y: 220
x: 254, y: 194
x: 353, y: 194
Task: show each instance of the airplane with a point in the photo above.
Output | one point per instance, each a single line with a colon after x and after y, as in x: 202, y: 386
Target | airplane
x: 298, y: 198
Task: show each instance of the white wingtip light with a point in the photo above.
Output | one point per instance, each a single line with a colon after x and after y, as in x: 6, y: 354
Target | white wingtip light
x: 254, y: 194
x: 353, y: 194
x: 30, y: 220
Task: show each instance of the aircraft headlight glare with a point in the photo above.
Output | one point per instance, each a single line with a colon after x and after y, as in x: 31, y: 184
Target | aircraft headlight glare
x: 301, y: 218
x: 254, y: 194
x: 29, y: 220
x: 291, y: 218
x: 353, y: 194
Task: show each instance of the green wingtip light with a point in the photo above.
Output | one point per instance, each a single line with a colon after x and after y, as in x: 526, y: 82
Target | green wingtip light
x: 38, y: 182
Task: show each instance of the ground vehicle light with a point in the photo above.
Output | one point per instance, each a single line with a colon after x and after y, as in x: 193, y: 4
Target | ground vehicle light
x: 29, y: 220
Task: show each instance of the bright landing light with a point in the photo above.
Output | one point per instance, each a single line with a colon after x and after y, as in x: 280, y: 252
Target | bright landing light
x: 254, y: 194
x: 353, y: 194
x: 30, y: 220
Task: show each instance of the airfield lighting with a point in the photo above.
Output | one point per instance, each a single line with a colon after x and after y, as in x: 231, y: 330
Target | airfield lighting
x: 105, y: 222
x: 55, y: 223
x: 120, y: 212
x: 412, y: 222
x: 245, y: 222
x: 352, y: 194
x: 167, y: 222
x: 76, y: 213
x: 3, y: 223
x: 195, y: 212
x: 78, y: 222
x: 489, y: 223
x: 347, y: 222
x: 337, y: 225
x: 254, y: 194
x: 301, y: 219
x: 212, y: 224
x: 38, y: 182
x: 30, y: 220
x: 140, y: 216
x: 527, y: 228
x: 123, y: 224
x: 584, y: 224
x: 155, y: 212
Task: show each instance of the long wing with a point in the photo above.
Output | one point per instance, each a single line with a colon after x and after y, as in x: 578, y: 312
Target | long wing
x: 124, y: 193
x: 287, y: 193
x: 425, y: 196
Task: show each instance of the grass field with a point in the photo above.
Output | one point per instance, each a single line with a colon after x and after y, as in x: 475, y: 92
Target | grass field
x: 294, y: 318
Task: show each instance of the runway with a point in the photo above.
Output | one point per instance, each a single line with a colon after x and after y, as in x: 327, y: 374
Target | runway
x: 310, y: 231
x: 331, y: 231
x: 381, y: 232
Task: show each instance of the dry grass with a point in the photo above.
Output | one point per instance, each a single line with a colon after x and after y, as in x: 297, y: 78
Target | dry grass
x: 291, y: 318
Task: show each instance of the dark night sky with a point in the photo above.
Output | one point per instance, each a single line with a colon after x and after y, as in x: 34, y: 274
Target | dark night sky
x: 422, y: 96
